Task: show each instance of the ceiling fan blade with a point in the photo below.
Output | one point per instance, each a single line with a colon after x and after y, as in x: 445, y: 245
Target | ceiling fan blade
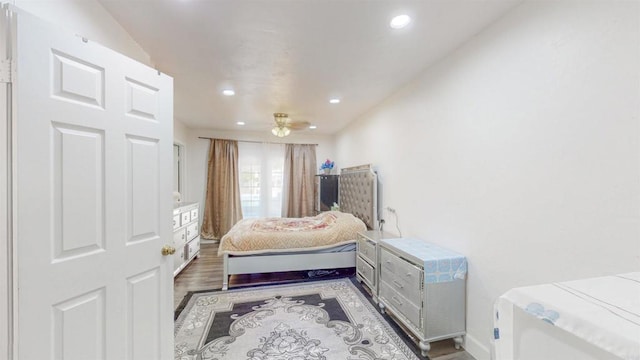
x: 298, y: 125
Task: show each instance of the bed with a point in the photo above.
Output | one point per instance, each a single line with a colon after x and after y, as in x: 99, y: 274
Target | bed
x: 589, y: 319
x: 318, y: 245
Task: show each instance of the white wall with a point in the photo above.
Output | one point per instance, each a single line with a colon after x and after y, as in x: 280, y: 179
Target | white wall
x: 520, y: 150
x: 180, y: 132
x: 198, y: 151
x: 89, y: 19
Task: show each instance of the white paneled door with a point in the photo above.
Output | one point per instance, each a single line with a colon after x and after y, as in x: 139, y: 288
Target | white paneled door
x: 93, y: 194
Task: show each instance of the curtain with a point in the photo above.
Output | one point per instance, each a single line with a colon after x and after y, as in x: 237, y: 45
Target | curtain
x: 298, y: 194
x: 222, y: 207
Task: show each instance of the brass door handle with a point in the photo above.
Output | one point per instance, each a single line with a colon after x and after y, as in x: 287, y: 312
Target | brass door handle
x: 168, y: 250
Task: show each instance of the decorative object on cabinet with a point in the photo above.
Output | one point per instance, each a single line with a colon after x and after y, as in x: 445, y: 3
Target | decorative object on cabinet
x: 327, y: 166
x: 186, y: 235
x: 423, y: 286
x: 367, y: 259
x: 326, y: 192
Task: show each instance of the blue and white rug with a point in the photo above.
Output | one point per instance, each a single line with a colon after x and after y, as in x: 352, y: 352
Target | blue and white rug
x: 304, y: 321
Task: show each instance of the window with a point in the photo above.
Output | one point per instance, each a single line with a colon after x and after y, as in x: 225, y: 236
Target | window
x: 261, y: 174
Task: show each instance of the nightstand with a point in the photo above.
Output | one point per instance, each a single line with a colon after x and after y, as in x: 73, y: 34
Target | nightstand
x: 367, y: 259
x: 423, y: 286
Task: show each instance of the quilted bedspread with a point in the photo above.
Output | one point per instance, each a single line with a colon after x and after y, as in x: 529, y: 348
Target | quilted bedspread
x: 255, y: 236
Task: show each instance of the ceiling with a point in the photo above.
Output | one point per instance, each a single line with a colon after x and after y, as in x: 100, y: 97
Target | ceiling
x: 292, y: 56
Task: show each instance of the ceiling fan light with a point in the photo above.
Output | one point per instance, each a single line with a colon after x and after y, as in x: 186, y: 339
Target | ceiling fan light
x: 280, y: 131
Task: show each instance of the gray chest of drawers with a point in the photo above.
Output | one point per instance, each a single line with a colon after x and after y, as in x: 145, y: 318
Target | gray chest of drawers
x: 367, y: 259
x: 420, y: 286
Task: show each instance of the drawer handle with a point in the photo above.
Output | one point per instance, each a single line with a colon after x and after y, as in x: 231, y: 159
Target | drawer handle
x: 182, y: 235
x: 188, y: 232
x: 409, y: 274
x: 397, y: 300
x: 398, y: 284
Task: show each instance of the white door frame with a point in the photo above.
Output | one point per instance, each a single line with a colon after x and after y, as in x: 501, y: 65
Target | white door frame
x: 7, y: 309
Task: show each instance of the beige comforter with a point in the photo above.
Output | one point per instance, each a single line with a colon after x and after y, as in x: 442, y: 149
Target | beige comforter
x: 255, y: 236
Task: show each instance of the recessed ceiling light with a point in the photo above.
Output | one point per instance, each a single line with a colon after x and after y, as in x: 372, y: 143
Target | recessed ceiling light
x: 312, y: 127
x: 400, y: 21
x: 241, y: 123
x: 228, y: 92
x: 334, y: 101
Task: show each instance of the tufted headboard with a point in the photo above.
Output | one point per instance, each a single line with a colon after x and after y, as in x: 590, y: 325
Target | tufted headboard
x: 359, y: 194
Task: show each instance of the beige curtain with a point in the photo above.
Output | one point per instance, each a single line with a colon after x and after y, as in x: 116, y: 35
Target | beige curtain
x: 299, y: 180
x: 222, y: 207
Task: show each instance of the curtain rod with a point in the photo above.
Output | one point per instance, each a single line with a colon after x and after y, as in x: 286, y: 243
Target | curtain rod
x: 250, y: 141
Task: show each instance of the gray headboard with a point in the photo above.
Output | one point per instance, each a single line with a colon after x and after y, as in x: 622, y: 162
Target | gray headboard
x: 359, y: 194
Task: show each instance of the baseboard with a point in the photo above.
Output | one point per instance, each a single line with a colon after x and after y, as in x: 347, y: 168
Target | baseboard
x: 206, y: 241
x: 477, y: 349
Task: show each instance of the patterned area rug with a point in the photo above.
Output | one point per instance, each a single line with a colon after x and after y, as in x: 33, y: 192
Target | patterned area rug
x: 305, y: 321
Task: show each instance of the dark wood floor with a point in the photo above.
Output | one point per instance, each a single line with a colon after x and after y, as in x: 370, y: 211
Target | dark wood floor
x: 205, y: 273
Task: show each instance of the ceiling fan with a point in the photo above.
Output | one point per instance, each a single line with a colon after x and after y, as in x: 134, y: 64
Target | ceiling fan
x: 284, y: 125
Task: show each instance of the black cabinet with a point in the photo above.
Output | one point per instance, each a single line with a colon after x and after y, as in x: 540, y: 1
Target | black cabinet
x: 326, y: 192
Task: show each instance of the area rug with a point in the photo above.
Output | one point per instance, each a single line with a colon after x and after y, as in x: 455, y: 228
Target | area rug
x: 320, y: 320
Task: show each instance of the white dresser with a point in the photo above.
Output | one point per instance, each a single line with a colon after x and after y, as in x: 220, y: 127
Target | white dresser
x: 367, y: 259
x: 186, y: 235
x: 422, y: 285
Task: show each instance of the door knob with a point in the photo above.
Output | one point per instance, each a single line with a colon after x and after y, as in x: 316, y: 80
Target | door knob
x: 168, y: 250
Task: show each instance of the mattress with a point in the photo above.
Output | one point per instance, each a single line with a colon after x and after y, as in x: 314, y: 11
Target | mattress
x: 269, y: 235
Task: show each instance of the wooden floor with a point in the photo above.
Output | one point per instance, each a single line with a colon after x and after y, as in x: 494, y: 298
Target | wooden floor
x: 205, y: 273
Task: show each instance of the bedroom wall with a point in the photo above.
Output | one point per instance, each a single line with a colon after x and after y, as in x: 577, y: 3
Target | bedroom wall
x: 89, y: 19
x: 520, y: 150
x: 198, y: 151
x: 180, y: 132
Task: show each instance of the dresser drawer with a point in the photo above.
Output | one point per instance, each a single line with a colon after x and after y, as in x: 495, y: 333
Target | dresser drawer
x: 192, y: 231
x: 176, y: 221
x: 193, y: 247
x: 413, y: 291
x: 178, y: 258
x: 194, y: 214
x: 366, y: 271
x: 179, y: 238
x: 367, y: 250
x: 393, y: 299
x: 186, y: 217
x: 403, y: 270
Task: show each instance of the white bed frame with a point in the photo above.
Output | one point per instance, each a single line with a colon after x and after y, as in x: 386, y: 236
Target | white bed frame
x: 360, y: 199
